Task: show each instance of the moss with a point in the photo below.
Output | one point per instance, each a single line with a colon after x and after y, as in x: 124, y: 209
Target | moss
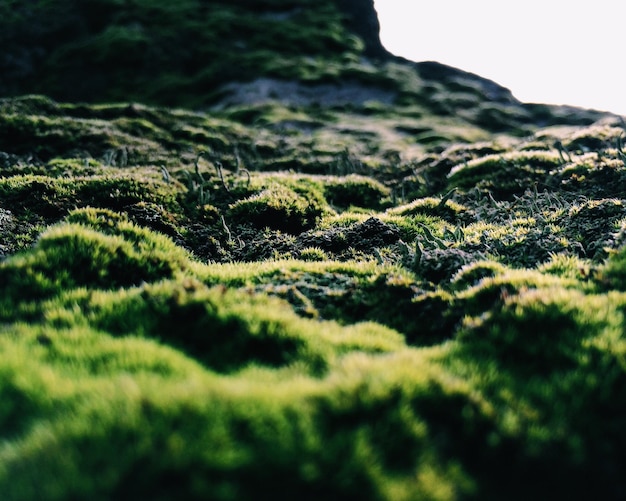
x: 355, y: 190
x: 473, y: 273
x: 451, y: 328
x: 277, y: 207
x: 561, y: 320
x: 440, y: 265
x: 384, y: 298
x: 313, y: 254
x: 52, y: 198
x: 272, y: 427
x: 48, y: 136
x: 73, y: 255
x: 128, y: 42
x: 363, y: 238
x: 505, y: 174
x: 223, y: 329
x: 430, y: 206
x: 568, y: 267
x: 594, y: 218
x: 598, y: 136
x: 612, y: 275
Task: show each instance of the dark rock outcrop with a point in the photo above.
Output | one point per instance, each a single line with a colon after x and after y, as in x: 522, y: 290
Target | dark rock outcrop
x: 362, y: 20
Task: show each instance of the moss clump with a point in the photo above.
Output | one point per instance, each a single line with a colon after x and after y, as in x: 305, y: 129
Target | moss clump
x: 594, y: 224
x: 347, y: 296
x: 612, y: 275
x: 73, y: 255
x: 506, y: 174
x: 355, y: 190
x: 49, y: 136
x: 226, y: 330
x: 446, y: 209
x: 279, y: 208
x: 313, y: 254
x: 473, y: 273
x: 541, y: 330
x: 55, y: 197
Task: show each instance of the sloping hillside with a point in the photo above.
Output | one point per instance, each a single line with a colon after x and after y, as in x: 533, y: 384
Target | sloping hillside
x: 245, y: 253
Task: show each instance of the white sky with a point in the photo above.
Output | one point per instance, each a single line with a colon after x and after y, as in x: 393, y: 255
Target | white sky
x: 545, y: 51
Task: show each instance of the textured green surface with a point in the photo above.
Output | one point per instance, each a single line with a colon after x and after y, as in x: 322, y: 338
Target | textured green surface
x: 417, y: 295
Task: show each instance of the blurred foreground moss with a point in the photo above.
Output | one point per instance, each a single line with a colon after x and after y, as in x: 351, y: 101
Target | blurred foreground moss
x: 169, y: 378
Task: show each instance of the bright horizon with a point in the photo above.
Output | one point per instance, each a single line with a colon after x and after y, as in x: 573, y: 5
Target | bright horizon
x: 543, y: 51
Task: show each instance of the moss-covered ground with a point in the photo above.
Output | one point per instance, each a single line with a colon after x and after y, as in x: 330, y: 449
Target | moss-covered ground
x: 378, y: 283
x: 194, y: 305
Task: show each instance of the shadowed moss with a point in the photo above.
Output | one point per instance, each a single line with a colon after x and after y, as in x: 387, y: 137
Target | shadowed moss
x: 506, y: 174
x: 108, y: 50
x: 225, y: 330
x: 355, y: 190
x: 475, y: 290
x: 612, y: 275
x: 48, y: 136
x: 583, y: 336
x: 55, y: 197
x: 561, y: 320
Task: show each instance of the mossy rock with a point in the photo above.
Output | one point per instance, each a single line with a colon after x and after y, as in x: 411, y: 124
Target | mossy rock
x: 126, y: 44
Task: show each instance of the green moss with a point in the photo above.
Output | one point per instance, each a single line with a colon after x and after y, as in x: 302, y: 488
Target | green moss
x: 313, y: 254
x: 613, y: 274
x: 593, y: 223
x: 72, y: 255
x: 505, y: 174
x: 49, y: 136
x: 137, y: 47
x: 430, y: 206
x: 355, y: 190
x: 72, y: 167
x: 541, y: 330
x: 223, y: 329
x: 279, y: 208
x: 473, y: 273
x: 428, y: 343
x: 55, y: 197
x: 275, y: 432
